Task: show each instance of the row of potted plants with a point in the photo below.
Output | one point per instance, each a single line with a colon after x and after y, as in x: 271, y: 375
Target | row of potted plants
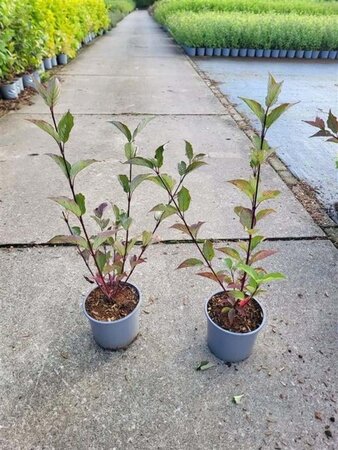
x: 261, y: 53
x: 32, y: 31
x: 113, y: 253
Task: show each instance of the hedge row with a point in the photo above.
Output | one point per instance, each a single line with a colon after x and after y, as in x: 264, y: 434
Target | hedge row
x: 165, y: 8
x: 31, y: 30
x: 242, y: 30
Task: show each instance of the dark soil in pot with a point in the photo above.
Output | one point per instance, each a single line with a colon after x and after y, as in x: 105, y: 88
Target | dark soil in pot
x: 101, y: 308
x: 245, y: 323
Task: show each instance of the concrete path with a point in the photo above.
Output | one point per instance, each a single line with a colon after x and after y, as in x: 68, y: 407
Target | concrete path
x: 58, y: 389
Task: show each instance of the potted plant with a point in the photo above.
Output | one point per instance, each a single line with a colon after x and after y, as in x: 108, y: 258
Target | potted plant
x: 110, y: 254
x: 234, y: 315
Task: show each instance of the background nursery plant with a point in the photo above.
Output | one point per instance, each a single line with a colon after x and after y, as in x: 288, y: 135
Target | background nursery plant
x: 242, y: 277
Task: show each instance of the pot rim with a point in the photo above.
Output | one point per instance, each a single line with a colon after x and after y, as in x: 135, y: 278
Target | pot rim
x: 233, y: 333
x: 107, y: 322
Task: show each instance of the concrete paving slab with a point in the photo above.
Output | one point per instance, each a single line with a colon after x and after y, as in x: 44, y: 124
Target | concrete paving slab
x: 29, y: 177
x: 60, y: 391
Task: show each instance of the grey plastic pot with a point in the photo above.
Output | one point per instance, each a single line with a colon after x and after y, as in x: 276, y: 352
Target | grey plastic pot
x: 308, y: 54
x: 9, y: 91
x: 229, y: 346
x: 315, y: 54
x: 291, y: 53
x: 117, y: 334
x: 332, y: 54
x: 190, y: 51
x: 300, y: 54
x: 217, y: 52
x: 42, y: 67
x: 243, y: 52
x: 28, y: 79
x: 283, y: 53
x: 324, y: 54
x: 234, y: 52
x: 200, y: 51
x: 226, y: 52
x: 275, y: 53
x: 62, y: 59
x: 19, y: 85
x: 54, y: 61
x: 251, y: 52
x: 259, y: 53
x: 267, y: 53
x: 47, y: 62
x: 209, y: 51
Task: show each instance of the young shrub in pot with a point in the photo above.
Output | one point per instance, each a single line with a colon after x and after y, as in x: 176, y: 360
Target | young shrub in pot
x: 234, y: 314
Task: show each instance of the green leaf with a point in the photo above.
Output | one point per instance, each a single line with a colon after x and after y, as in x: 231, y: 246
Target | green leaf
x: 136, y: 181
x: 230, y: 252
x: 249, y: 270
x: 124, y: 182
x: 208, y: 250
x: 184, y: 199
x: 79, y: 166
x: 255, y: 107
x: 119, y: 247
x: 205, y: 365
x: 61, y: 163
x: 101, y: 238
x: 129, y: 150
x: 139, y: 161
x: 191, y: 262
x: 236, y: 294
x: 189, y: 151
x: 166, y: 210
x: 165, y: 181
x: 274, y: 89
x: 142, y: 125
x: 181, y: 167
x: 65, y: 126
x: 237, y: 399
x: 68, y: 204
x: 274, y: 276
x: 267, y: 195
x: 45, y: 126
x: 276, y: 113
x: 263, y: 213
x: 123, y: 128
x: 195, y: 165
x: 76, y: 231
x: 101, y: 259
x: 81, y: 201
x: 53, y: 92
x: 244, y: 186
x: 159, y: 156
x: 76, y: 240
x: 245, y: 216
x: 255, y: 241
x: 146, y: 238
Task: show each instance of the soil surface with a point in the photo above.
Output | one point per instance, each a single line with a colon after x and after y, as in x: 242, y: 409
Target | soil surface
x: 13, y: 105
x: 101, y: 308
x: 242, y: 323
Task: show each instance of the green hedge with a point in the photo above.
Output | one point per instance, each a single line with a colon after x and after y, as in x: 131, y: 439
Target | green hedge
x: 266, y: 31
x: 144, y: 3
x: 165, y: 8
x: 31, y: 30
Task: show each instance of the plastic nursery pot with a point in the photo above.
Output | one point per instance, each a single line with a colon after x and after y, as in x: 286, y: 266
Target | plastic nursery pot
x: 217, y: 52
x: 42, y: 67
x: 275, y: 53
x: 283, y: 53
x: 117, y: 334
x: 190, y: 51
x: 62, y: 59
x: 9, y: 91
x: 200, y: 51
x: 227, y: 345
x: 324, y: 54
x: 300, y: 53
x: 308, y: 54
x: 234, y: 52
x: 54, y: 61
x: 259, y: 53
x: 19, y: 84
x: 332, y: 54
x: 226, y: 52
x: 209, y: 51
x: 243, y: 52
x: 47, y: 62
x: 315, y: 54
x: 251, y: 52
x: 291, y: 53
x: 28, y: 79
x: 267, y: 53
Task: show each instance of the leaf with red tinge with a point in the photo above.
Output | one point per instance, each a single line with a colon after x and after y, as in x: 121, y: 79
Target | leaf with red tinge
x: 244, y: 302
x: 318, y: 123
x: 180, y: 227
x: 209, y: 275
x: 194, y: 228
x: 262, y: 254
x: 191, y: 262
